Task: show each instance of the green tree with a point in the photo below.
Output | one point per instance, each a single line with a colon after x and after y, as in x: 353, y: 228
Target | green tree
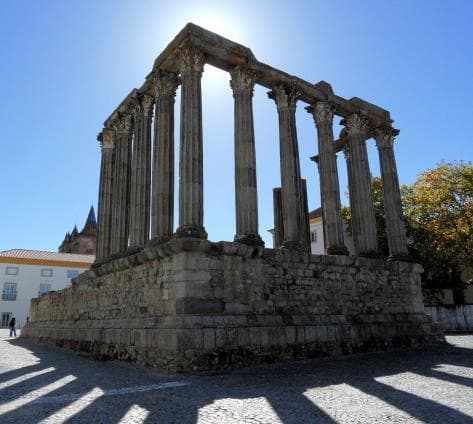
x: 438, y: 212
x: 438, y: 209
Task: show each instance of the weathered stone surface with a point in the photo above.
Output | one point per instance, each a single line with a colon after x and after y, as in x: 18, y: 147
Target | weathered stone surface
x: 181, y: 302
x: 286, y: 98
x: 107, y: 142
x: 162, y: 203
x: 395, y: 229
x: 140, y: 178
x: 191, y: 191
x: 359, y: 186
x: 164, y: 311
x: 329, y: 185
x: 242, y: 84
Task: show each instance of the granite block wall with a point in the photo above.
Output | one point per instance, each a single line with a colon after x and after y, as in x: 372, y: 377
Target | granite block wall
x: 193, y: 305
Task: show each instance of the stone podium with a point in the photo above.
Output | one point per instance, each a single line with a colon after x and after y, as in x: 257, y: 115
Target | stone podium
x: 170, y: 298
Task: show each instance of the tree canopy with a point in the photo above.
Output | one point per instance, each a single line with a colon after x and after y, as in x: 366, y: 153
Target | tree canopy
x: 438, y: 212
x: 438, y: 209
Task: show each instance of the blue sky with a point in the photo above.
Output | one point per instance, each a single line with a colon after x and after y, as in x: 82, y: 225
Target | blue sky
x: 65, y: 65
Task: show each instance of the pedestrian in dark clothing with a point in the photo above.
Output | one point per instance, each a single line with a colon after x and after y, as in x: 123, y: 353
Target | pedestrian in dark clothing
x: 12, y: 326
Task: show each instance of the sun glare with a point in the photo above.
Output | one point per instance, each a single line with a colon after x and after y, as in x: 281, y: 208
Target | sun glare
x: 219, y: 23
x: 226, y: 24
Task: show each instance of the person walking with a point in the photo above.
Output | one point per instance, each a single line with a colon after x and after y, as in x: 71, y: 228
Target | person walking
x: 12, y: 326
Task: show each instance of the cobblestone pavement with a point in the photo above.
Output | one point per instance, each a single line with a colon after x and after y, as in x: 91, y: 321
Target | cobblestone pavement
x: 50, y: 385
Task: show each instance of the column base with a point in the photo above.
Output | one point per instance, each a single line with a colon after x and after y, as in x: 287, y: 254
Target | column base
x: 369, y: 254
x: 133, y: 249
x: 98, y: 263
x: 294, y: 245
x: 158, y: 240
x: 195, y: 230
x: 249, y: 239
x: 400, y: 257
x: 337, y: 250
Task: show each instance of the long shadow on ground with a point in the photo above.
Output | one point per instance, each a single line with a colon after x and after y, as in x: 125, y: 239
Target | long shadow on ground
x: 283, y: 387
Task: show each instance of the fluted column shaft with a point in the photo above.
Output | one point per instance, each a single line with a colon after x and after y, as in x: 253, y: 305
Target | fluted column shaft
x: 121, y: 184
x: 286, y: 99
x: 360, y: 187
x: 305, y: 216
x: 246, y: 197
x: 317, y: 161
x: 329, y: 184
x: 191, y: 190
x: 395, y: 228
x: 141, y: 172
x: 162, y: 207
x: 278, y: 236
x: 107, y: 142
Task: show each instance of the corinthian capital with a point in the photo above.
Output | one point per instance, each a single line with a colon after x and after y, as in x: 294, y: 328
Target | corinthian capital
x: 356, y: 124
x: 165, y: 85
x: 142, y: 105
x: 322, y: 112
x: 384, y: 136
x: 191, y: 60
x: 124, y: 123
x: 285, y: 96
x: 146, y: 103
x: 107, y: 138
x: 242, y: 81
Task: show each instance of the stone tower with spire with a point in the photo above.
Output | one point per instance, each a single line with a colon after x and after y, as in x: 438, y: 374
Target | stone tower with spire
x: 84, y: 242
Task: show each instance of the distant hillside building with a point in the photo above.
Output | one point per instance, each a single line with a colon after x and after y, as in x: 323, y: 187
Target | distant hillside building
x: 84, y: 242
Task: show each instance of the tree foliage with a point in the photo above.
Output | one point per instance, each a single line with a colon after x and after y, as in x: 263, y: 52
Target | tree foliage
x: 438, y: 209
x: 438, y: 212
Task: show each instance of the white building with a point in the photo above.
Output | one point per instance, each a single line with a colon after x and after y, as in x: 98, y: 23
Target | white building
x: 25, y: 274
x: 317, y: 245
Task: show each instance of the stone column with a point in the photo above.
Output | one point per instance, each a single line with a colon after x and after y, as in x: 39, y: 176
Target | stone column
x: 329, y: 185
x: 121, y: 183
x: 324, y: 238
x: 242, y: 83
x: 191, y: 190
x: 162, y: 207
x: 395, y: 228
x: 107, y: 143
x: 360, y: 187
x: 305, y: 216
x: 278, y: 235
x: 286, y: 99
x: 141, y: 171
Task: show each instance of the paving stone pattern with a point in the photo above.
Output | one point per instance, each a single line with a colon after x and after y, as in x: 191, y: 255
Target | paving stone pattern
x: 41, y: 383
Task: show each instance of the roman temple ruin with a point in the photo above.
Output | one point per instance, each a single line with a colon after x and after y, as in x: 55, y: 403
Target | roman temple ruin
x: 170, y: 298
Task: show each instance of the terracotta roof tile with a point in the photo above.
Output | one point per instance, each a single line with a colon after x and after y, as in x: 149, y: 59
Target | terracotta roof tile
x: 46, y: 256
x: 315, y: 213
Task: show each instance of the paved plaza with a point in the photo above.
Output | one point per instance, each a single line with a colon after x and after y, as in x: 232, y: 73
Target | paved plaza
x: 51, y: 385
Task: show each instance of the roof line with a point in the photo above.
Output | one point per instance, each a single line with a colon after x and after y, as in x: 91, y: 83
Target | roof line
x: 50, y: 262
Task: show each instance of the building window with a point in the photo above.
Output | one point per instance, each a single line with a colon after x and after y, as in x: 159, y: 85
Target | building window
x: 313, y: 236
x: 71, y: 273
x: 46, y: 272
x: 11, y: 270
x: 44, y: 288
x: 6, y: 317
x: 9, y: 291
